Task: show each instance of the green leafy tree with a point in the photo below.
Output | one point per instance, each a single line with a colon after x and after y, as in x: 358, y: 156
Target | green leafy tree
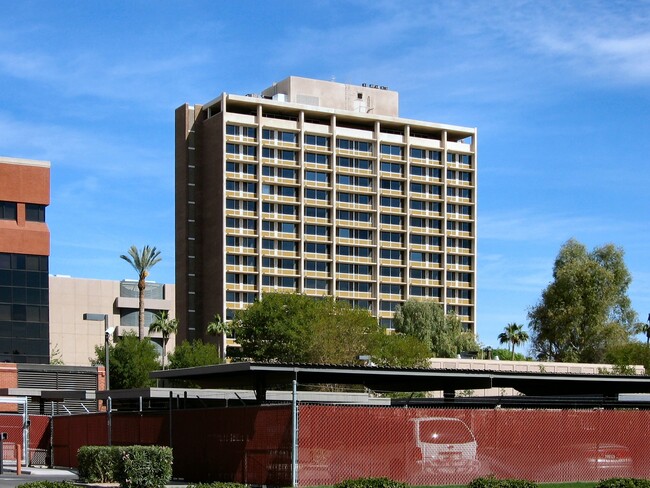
x: 276, y: 328
x: 131, y: 361
x: 585, y: 309
x: 142, y: 262
x: 166, y: 326
x: 55, y: 356
x: 298, y: 328
x: 218, y: 327
x: 644, y: 328
x: 506, y: 354
x: 399, y: 351
x: 513, y: 334
x: 339, y: 334
x: 633, y: 353
x: 426, y: 320
x: 191, y: 354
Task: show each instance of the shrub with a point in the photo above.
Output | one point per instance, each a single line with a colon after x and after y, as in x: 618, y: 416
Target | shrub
x: 492, y: 482
x: 217, y: 484
x: 623, y: 483
x: 98, y: 464
x: 517, y: 484
x: 131, y: 466
x: 370, y: 483
x: 145, y: 466
x: 48, y: 484
x: 488, y: 482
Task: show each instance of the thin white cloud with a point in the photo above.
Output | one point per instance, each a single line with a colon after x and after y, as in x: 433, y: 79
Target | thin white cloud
x: 83, y: 149
x: 604, y: 40
x: 527, y: 225
x: 77, y: 189
x: 103, y: 75
x: 514, y: 272
x: 624, y: 59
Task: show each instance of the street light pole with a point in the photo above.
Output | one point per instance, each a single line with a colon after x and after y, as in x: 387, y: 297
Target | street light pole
x: 106, y: 361
x: 98, y: 317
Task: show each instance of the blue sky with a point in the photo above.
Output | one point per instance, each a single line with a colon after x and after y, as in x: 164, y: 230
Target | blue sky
x: 558, y: 90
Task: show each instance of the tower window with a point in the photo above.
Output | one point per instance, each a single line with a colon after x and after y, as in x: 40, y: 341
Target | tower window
x: 8, y: 211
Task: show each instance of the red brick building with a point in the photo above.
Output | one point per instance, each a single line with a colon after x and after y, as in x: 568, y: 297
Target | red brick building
x: 24, y: 261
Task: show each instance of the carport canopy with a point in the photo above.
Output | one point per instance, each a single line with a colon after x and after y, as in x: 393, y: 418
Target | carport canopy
x: 261, y: 377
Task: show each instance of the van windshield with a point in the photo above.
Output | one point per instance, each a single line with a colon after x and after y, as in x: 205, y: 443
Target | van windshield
x: 444, y: 432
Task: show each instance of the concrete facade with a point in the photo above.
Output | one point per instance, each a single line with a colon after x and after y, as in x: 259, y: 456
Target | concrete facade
x: 321, y: 188
x: 72, y: 338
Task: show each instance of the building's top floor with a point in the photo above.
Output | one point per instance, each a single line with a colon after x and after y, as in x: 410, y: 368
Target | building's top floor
x: 24, y: 195
x: 365, y: 99
x: 24, y: 162
x: 123, y: 294
x: 317, y: 106
x: 24, y: 181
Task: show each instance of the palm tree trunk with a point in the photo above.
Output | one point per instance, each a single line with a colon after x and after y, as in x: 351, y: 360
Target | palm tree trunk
x: 513, y: 351
x: 222, y: 347
x: 141, y: 285
x: 164, y: 353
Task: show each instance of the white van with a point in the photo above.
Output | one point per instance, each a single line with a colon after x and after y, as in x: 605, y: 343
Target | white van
x: 446, y: 444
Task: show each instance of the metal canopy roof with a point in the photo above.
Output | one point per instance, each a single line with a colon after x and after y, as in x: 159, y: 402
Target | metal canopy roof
x: 49, y: 395
x: 263, y: 376
x: 571, y: 384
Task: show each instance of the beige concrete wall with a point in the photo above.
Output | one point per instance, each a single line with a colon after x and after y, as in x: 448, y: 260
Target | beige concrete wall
x: 523, y: 366
x: 486, y: 365
x: 370, y: 99
x: 72, y: 336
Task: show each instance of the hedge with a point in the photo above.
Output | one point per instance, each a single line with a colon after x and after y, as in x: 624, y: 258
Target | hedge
x: 623, y: 483
x: 217, y: 484
x: 98, y: 464
x: 131, y: 466
x: 48, y: 484
x: 370, y: 483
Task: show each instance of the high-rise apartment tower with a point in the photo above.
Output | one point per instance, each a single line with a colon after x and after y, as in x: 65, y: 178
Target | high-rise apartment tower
x: 321, y: 188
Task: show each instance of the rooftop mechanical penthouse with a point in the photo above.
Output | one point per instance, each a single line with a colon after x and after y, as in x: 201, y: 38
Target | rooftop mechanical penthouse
x: 320, y: 188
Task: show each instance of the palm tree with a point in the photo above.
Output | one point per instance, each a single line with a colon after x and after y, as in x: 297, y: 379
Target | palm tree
x: 514, y: 334
x: 142, y: 262
x: 166, y: 327
x: 220, y: 328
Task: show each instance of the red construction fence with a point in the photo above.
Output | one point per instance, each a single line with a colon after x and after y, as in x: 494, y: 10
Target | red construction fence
x: 416, y: 445
x: 39, y: 438
x: 247, y: 444
x: 453, y: 446
x: 73, y: 431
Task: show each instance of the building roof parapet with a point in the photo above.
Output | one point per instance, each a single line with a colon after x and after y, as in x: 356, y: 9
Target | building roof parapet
x: 24, y: 162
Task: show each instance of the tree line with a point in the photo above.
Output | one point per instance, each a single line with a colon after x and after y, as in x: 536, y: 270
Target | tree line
x: 583, y: 315
x: 296, y: 328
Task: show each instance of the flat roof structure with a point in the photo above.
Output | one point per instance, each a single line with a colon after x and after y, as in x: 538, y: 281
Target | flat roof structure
x: 261, y: 377
x: 161, y: 397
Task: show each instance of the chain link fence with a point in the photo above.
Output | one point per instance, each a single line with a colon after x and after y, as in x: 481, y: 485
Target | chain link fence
x: 30, y: 442
x: 426, y: 446
x: 420, y: 446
